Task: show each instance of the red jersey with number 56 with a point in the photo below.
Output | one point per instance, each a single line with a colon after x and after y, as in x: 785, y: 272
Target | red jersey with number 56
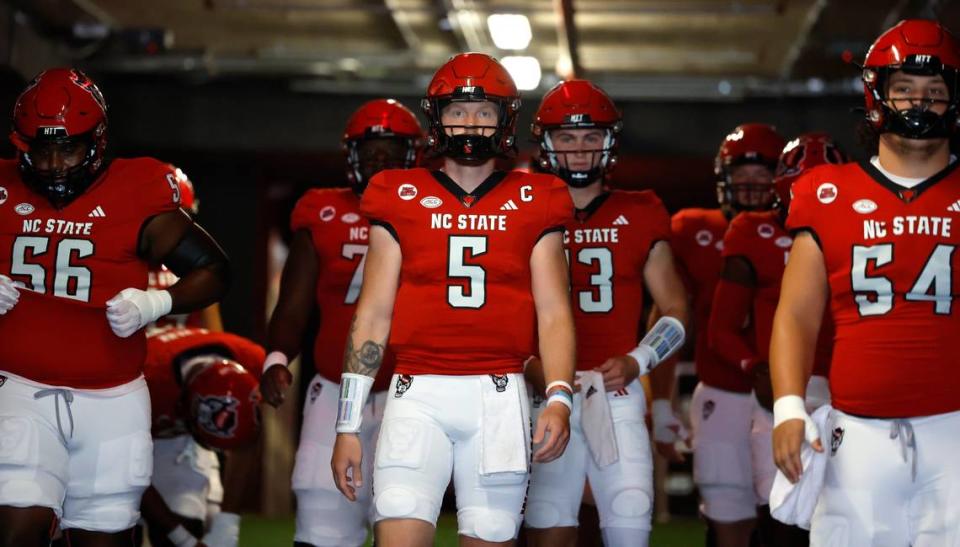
x: 464, y: 304
x: 165, y: 346
x: 339, y: 234
x: 73, y: 260
x: 607, y: 244
x: 893, y: 273
x: 761, y: 239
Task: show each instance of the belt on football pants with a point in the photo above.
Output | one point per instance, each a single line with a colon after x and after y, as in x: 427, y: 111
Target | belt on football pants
x: 67, y: 399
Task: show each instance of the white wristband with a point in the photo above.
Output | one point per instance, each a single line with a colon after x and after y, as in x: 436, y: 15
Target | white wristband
x: 562, y: 397
x: 560, y: 383
x: 789, y: 407
x: 273, y: 359
x: 661, y: 341
x: 180, y: 537
x: 354, y: 389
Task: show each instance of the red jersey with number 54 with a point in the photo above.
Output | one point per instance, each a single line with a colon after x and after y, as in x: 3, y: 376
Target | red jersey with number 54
x: 607, y: 244
x: 464, y: 304
x: 893, y: 273
x: 164, y: 348
x: 69, y: 262
x: 339, y: 234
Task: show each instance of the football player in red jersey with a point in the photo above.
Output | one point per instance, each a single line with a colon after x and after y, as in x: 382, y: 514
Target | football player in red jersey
x: 722, y: 406
x: 325, y: 270
x: 617, y: 243
x: 76, y: 236
x: 876, y: 240
x: 203, y: 398
x: 160, y: 277
x: 465, y: 268
x: 755, y: 251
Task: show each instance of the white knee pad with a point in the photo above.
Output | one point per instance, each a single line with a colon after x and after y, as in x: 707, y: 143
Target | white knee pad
x: 626, y: 537
x: 33, y: 465
x: 397, y: 502
x: 629, y: 508
x: 728, y: 503
x: 542, y: 514
x: 488, y: 524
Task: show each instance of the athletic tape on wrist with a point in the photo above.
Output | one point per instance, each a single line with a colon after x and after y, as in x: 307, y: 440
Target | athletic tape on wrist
x: 559, y: 383
x: 354, y: 389
x: 660, y: 342
x: 273, y: 359
x: 789, y: 407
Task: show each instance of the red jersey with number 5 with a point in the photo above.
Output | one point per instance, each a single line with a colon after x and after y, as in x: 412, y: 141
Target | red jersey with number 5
x: 761, y: 239
x: 73, y: 260
x: 166, y: 346
x: 464, y: 304
x: 607, y: 244
x: 339, y: 235
x: 891, y: 263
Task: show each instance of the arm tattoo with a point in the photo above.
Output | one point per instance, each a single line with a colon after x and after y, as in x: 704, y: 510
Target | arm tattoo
x: 367, y: 359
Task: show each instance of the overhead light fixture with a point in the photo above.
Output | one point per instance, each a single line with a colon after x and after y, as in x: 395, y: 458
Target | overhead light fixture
x: 510, y: 30
x: 525, y: 71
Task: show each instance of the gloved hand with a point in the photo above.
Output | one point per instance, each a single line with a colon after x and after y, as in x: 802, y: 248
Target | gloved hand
x: 132, y: 309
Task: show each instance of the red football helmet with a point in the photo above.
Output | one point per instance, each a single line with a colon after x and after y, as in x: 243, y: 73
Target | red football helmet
x: 577, y: 104
x: 802, y: 153
x: 223, y: 404
x: 750, y: 143
x: 188, y: 198
x: 380, y: 119
x: 60, y: 107
x: 472, y: 77
x: 917, y: 47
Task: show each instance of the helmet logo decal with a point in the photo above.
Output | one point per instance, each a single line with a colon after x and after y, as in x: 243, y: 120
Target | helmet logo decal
x: 217, y: 415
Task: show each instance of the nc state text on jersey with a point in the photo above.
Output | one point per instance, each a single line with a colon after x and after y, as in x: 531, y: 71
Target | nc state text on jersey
x: 592, y: 235
x: 57, y: 226
x: 907, y: 225
x: 445, y: 221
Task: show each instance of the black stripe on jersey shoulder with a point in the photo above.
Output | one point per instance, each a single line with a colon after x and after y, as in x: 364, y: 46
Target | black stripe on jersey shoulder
x: 906, y: 194
x: 489, y: 184
x: 592, y: 207
x: 386, y: 226
x: 816, y: 237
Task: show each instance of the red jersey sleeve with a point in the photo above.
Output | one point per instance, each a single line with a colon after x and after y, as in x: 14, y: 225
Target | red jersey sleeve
x: 375, y: 204
x: 559, y: 206
x: 158, y: 191
x: 657, y: 217
x: 806, y: 202
x: 305, y: 212
x: 735, y: 241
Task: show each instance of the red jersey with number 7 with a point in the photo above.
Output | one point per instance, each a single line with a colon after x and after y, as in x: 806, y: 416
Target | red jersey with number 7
x: 464, y: 304
x: 890, y: 259
x: 71, y: 261
x: 607, y: 243
x: 339, y: 235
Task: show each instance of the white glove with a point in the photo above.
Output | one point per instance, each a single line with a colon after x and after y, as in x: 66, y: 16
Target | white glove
x: 132, y: 309
x: 9, y: 295
x: 224, y: 530
x: 667, y: 426
x: 180, y: 537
